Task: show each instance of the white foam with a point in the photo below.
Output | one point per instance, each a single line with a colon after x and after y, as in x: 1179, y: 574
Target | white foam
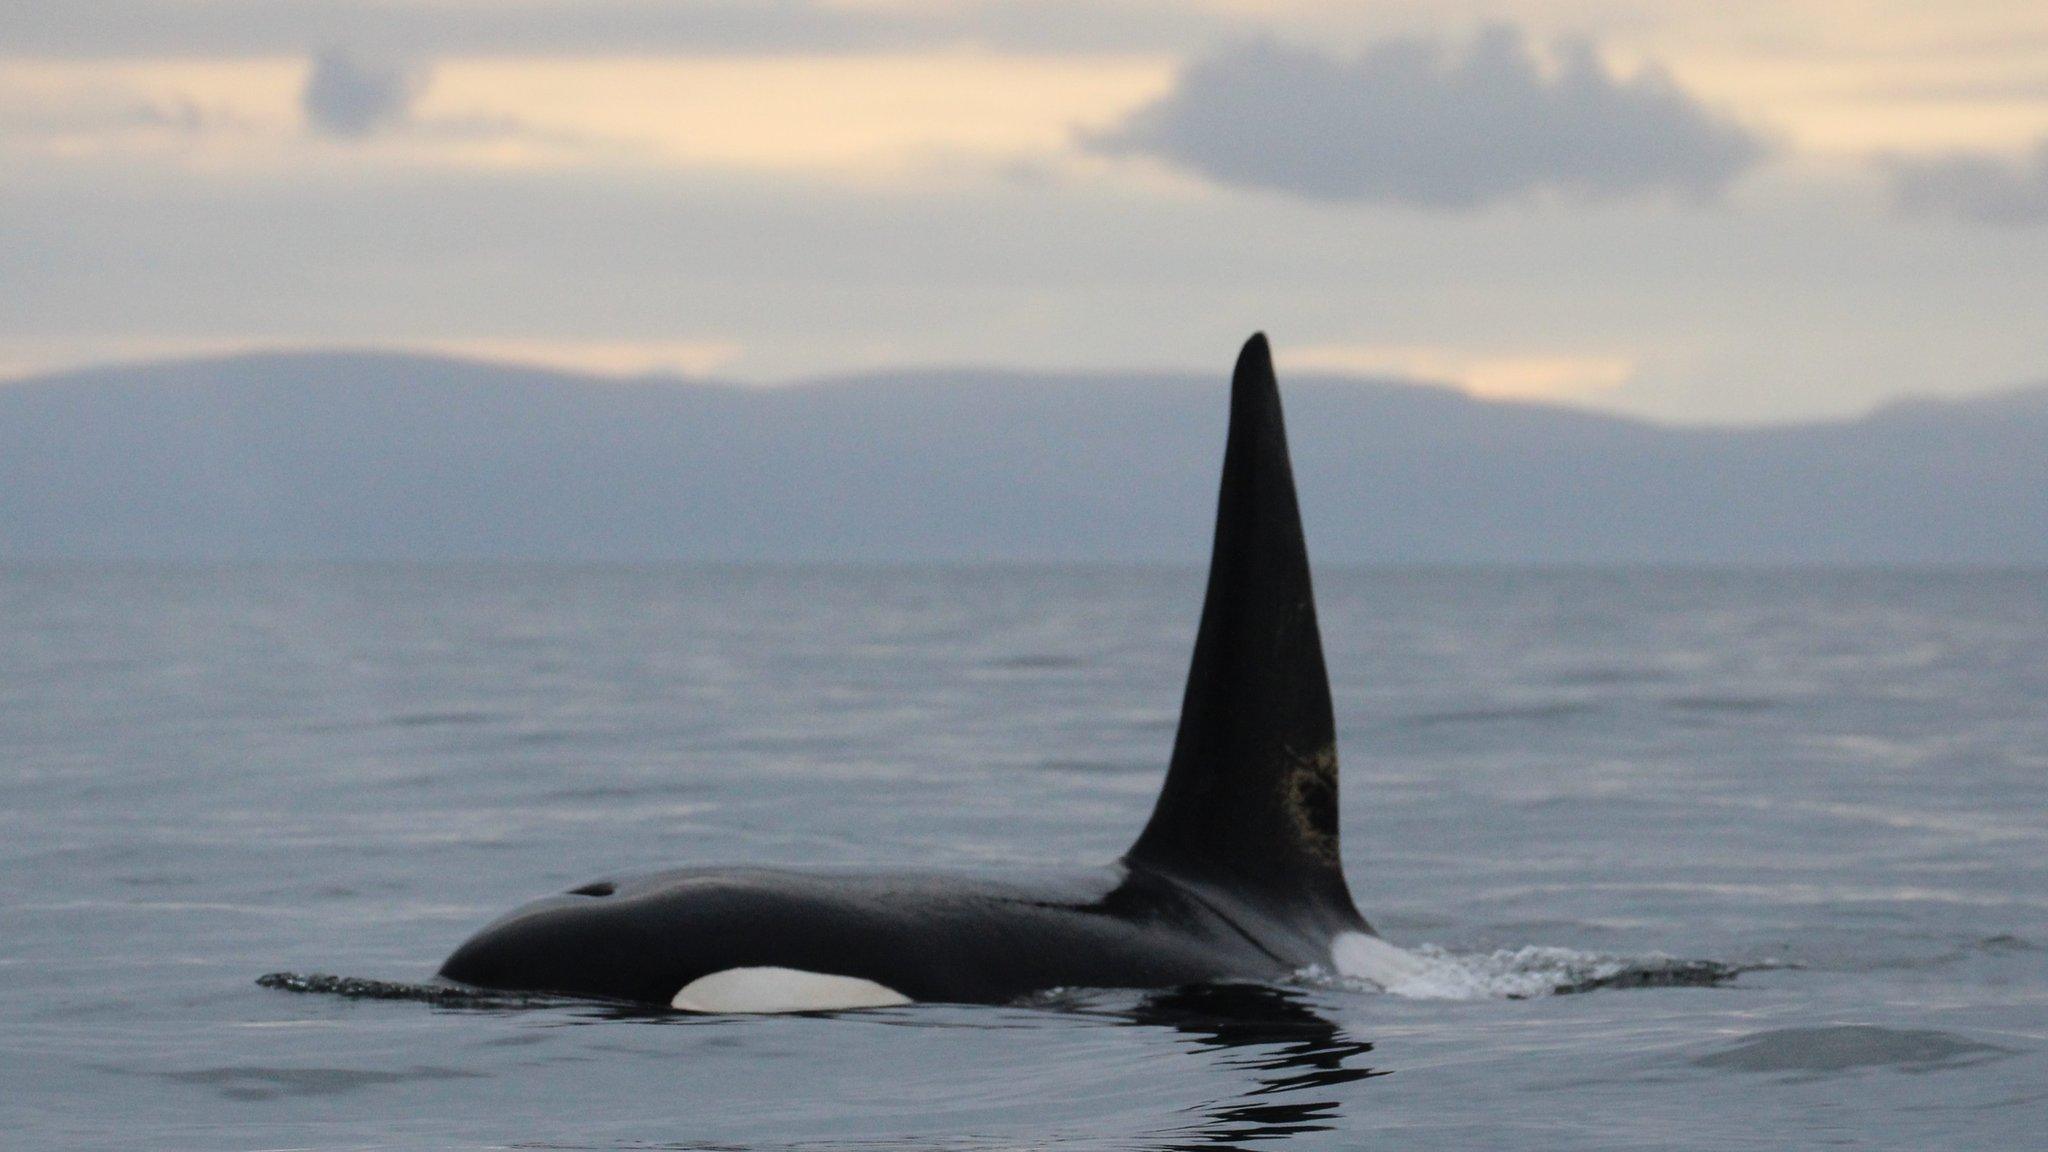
x: 1430, y: 973
x: 1358, y: 956
x: 770, y: 989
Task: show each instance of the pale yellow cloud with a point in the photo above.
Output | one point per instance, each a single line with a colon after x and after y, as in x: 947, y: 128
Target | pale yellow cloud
x: 873, y: 115
x: 1853, y: 104
x: 624, y: 359
x: 1490, y: 374
x: 203, y: 112
x: 620, y: 358
x: 35, y: 355
x: 880, y: 116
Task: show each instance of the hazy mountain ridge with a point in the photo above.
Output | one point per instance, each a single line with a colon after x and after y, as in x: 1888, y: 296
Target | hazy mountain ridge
x: 356, y: 455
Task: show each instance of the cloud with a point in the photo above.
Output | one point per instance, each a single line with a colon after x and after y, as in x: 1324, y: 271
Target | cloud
x: 1499, y: 376
x: 1411, y: 123
x: 1979, y: 187
x: 100, y: 113
x: 349, y: 98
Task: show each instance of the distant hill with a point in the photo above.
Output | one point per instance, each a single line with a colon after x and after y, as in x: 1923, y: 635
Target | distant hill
x: 384, y: 456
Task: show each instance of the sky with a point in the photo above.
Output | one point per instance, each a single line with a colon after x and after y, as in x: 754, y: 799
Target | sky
x: 1742, y: 213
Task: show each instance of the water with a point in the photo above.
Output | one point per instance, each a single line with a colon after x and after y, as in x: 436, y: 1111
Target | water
x: 211, y: 775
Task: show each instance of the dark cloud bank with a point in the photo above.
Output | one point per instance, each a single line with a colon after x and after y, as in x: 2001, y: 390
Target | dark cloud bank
x: 1413, y: 123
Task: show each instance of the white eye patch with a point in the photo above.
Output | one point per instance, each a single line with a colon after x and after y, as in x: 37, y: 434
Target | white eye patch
x: 782, y: 990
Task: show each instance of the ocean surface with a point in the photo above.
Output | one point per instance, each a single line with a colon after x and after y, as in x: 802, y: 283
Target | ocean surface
x: 1835, y: 780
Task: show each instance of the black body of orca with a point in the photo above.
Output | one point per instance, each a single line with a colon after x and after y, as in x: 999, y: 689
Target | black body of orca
x: 1236, y: 876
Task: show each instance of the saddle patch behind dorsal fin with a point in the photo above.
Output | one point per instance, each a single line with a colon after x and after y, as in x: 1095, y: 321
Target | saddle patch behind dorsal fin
x: 1250, y: 801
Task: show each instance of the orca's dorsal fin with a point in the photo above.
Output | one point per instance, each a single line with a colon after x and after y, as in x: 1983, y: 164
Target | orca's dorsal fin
x: 1250, y: 802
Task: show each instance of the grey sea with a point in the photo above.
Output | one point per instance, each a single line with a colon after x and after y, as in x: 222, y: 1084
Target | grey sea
x: 1836, y: 781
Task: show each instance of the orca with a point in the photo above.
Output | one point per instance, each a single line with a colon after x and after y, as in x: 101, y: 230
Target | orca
x: 1237, y: 875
